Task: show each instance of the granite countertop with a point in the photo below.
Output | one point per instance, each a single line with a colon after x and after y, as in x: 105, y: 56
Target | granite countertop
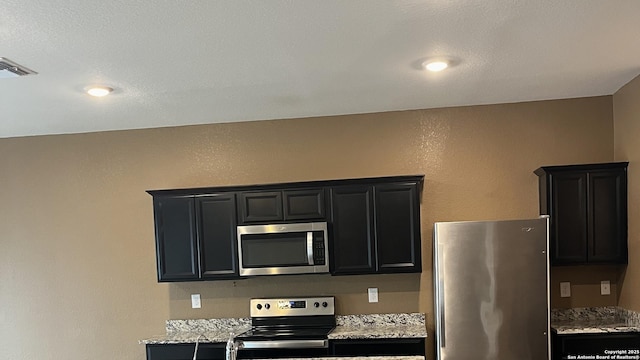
x: 594, y: 320
x: 199, y: 330
x: 377, y: 326
x: 373, y: 326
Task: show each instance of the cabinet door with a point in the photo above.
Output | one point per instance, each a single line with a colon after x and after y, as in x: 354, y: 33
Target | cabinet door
x: 304, y: 204
x: 568, y: 217
x: 185, y: 351
x: 590, y: 345
x: 176, y: 245
x: 607, y: 204
x: 217, y: 236
x: 256, y: 207
x: 378, y: 347
x: 397, y: 211
x: 352, y: 219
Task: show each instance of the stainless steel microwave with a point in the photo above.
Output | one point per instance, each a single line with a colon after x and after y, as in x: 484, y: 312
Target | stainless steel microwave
x: 300, y: 248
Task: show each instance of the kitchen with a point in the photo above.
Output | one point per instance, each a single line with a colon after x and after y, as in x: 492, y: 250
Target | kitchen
x: 114, y: 299
x: 78, y: 274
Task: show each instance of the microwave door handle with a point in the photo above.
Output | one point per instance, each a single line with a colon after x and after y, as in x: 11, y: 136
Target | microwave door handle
x: 310, y: 247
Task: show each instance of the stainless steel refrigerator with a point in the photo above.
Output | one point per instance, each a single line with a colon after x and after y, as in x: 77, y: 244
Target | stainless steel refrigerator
x: 491, y: 282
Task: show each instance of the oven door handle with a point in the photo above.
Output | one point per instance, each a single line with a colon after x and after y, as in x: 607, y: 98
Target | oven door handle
x: 285, y: 344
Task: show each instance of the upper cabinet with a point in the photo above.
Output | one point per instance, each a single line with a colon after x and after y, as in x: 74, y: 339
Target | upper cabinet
x: 397, y: 214
x: 304, y: 204
x: 284, y: 205
x: 376, y: 228
x: 587, y: 205
x: 176, y: 244
x: 216, y: 234
x: 374, y: 224
x: 352, y: 249
x: 260, y: 206
x: 195, y: 237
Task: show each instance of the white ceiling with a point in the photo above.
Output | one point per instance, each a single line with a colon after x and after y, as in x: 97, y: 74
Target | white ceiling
x: 197, y: 62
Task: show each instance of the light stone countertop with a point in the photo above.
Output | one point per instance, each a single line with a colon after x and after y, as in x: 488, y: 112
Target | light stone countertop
x: 190, y: 337
x: 373, y: 326
x: 378, y: 332
x: 379, y: 326
x: 594, y: 320
x: 201, y: 330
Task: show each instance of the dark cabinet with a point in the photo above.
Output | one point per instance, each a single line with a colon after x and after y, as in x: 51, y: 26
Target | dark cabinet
x: 397, y: 209
x: 337, y: 348
x: 352, y: 248
x: 195, y: 237
x: 176, y: 244
x: 264, y: 206
x: 376, y: 228
x: 378, y: 347
x: 591, y: 345
x: 306, y: 204
x: 217, y: 236
x: 374, y: 224
x: 278, y: 206
x: 206, y: 351
x: 587, y: 205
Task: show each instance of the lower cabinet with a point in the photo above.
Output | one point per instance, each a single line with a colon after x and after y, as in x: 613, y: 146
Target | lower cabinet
x: 185, y: 351
x: 377, y: 347
x: 591, y: 345
x: 282, y: 353
x: 342, y: 348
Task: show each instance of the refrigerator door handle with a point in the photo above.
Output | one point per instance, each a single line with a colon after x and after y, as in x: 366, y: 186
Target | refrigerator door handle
x: 441, y: 327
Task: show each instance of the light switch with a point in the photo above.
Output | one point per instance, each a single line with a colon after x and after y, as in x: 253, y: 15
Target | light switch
x: 373, y: 295
x: 195, y: 301
x: 605, y: 287
x: 565, y: 289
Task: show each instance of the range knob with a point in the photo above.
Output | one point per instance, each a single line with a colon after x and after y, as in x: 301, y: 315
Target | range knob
x: 316, y: 304
x: 324, y: 304
x: 259, y: 307
x: 267, y: 306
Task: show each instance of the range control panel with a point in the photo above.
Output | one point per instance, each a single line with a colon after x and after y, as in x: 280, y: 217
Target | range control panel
x: 305, y: 306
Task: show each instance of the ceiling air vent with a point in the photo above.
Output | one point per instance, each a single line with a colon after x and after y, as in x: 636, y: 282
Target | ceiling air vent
x: 9, y: 69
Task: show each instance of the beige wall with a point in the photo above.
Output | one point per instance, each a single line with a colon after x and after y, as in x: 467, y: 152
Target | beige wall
x: 626, y: 110
x: 77, y: 259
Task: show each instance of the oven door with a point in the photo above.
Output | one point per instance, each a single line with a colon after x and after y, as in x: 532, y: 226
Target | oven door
x: 282, y: 347
x: 283, y: 249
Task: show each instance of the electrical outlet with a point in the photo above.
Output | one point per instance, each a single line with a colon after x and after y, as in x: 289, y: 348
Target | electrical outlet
x: 195, y: 301
x: 373, y: 295
x: 565, y: 289
x: 605, y: 287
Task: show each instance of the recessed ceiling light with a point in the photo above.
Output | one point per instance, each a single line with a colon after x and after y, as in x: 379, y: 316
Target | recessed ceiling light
x: 435, y: 65
x: 99, y: 91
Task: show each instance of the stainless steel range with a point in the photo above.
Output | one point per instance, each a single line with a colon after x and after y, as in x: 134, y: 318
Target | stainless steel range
x: 285, y: 328
x: 293, y: 323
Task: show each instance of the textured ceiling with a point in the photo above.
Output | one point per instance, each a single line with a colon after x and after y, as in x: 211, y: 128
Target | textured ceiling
x: 197, y: 62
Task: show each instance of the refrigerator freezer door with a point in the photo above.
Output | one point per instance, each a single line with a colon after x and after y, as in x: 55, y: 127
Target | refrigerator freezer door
x: 491, y: 290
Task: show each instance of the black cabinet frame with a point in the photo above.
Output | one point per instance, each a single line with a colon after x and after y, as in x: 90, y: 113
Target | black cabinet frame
x: 374, y: 224
x: 587, y: 206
